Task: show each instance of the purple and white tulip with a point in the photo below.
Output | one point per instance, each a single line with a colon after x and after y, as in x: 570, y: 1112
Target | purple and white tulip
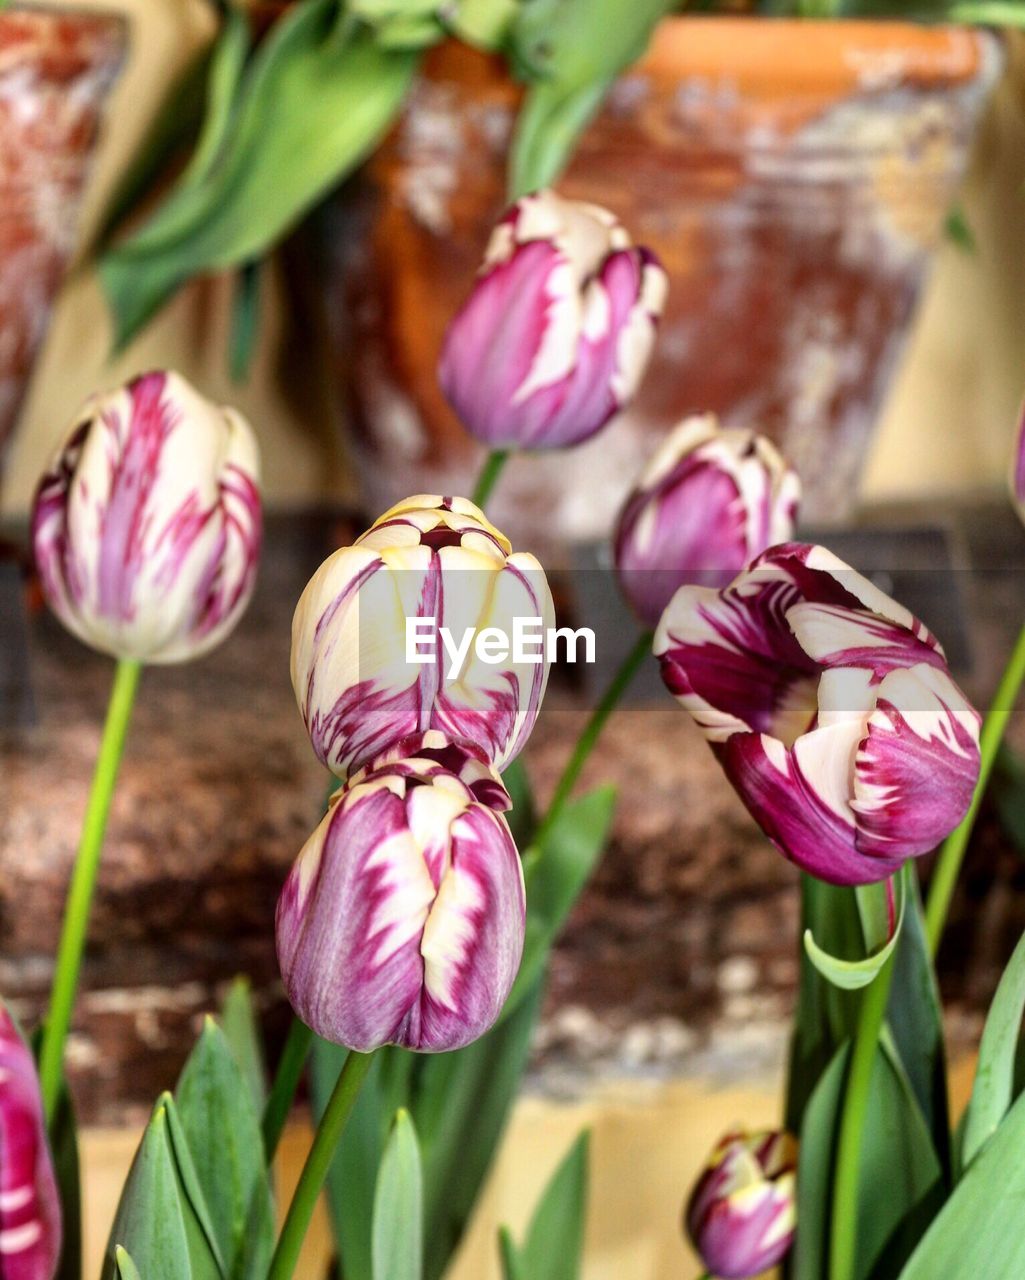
x: 710, y: 500
x: 742, y: 1213
x: 30, y: 1213
x: 403, y: 918
x: 831, y: 709
x: 1018, y: 468
x: 439, y: 561
x: 557, y: 334
x: 147, y: 526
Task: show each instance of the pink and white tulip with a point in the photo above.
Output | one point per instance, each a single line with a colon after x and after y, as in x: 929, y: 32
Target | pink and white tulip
x: 710, y: 500
x: 831, y: 709
x: 557, y: 334
x: 1018, y: 468
x: 30, y: 1212
x: 147, y: 525
x: 402, y: 921
x: 742, y: 1213
x: 428, y: 558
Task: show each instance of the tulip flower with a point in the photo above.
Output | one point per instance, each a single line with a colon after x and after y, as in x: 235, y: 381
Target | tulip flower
x: 402, y: 921
x: 30, y: 1214
x: 365, y: 677
x: 147, y: 525
x: 831, y: 709
x: 558, y: 331
x: 742, y: 1212
x: 709, y: 501
x: 1018, y: 468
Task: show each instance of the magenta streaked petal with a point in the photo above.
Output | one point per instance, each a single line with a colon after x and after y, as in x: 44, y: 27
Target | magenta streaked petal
x: 916, y: 770
x: 30, y: 1213
x: 791, y: 809
x: 836, y: 636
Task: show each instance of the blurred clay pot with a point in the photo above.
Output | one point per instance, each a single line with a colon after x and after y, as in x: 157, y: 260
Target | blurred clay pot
x: 793, y: 177
x: 56, y: 68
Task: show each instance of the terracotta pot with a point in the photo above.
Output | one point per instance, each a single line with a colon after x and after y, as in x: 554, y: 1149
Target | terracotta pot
x: 793, y: 177
x: 56, y: 67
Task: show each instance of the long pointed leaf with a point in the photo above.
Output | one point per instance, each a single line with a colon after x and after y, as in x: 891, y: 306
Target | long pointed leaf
x: 398, y: 1206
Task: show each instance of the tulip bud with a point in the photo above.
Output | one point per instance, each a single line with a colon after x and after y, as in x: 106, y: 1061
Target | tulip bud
x: 30, y: 1213
x: 1018, y: 469
x: 370, y: 663
x: 403, y: 918
x: 742, y: 1212
x: 558, y: 331
x: 147, y: 525
x: 709, y: 501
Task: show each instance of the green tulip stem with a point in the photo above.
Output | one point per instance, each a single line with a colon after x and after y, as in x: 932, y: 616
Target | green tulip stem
x: 843, y: 1238
x: 83, y: 883
x: 488, y: 477
x: 618, y: 686
x: 952, y: 851
x: 318, y: 1162
x: 286, y: 1081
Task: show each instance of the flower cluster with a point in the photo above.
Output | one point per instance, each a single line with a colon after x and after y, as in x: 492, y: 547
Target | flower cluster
x: 403, y: 919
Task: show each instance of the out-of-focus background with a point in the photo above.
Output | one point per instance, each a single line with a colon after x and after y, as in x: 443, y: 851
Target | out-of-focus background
x: 670, y: 993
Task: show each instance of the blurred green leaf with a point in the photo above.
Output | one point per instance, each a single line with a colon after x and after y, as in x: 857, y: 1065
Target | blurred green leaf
x: 978, y: 1230
x: 853, y: 974
x: 523, y: 815
x: 64, y: 1141
x: 245, y: 320
x: 221, y: 1126
x: 555, y: 876
x: 1008, y: 792
x: 156, y: 1220
x: 957, y: 229
x: 818, y: 1134
x: 127, y: 1269
x: 398, y: 1206
x: 316, y: 97
x: 484, y: 23
x: 242, y: 1031
x: 554, y: 1245
x: 993, y: 1090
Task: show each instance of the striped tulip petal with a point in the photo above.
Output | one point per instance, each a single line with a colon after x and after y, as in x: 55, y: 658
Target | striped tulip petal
x: 402, y: 921
x: 559, y: 329
x: 831, y: 709
x: 438, y: 563
x: 147, y: 526
x: 30, y: 1214
x: 709, y: 501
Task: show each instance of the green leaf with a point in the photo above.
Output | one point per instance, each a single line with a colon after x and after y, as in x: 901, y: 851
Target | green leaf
x: 242, y: 1032
x: 484, y: 23
x: 523, y: 815
x: 899, y: 1175
x: 64, y: 1142
x: 126, y: 1268
x: 398, y: 1206
x: 554, y: 1247
x: 852, y: 975
x: 978, y: 1231
x: 993, y: 1090
x: 221, y: 1126
x: 555, y: 876
x: 155, y: 1219
x: 313, y: 103
x: 958, y: 230
x: 509, y: 1256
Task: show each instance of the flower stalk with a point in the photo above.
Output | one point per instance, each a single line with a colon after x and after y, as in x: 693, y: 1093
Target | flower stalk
x: 952, y: 852
x: 318, y: 1162
x: 83, y: 882
x: 488, y: 477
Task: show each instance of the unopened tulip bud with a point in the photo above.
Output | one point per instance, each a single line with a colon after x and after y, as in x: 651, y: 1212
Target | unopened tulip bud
x: 742, y: 1212
x: 710, y: 500
x: 147, y: 526
x: 385, y: 637
x: 30, y: 1213
x: 402, y: 921
x: 557, y: 334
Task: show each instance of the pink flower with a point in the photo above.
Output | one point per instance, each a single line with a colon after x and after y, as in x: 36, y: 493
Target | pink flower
x: 30, y: 1212
x: 402, y: 921
x: 742, y: 1212
x: 831, y: 709
x: 147, y: 525
x: 709, y: 501
x: 432, y: 561
x: 558, y: 331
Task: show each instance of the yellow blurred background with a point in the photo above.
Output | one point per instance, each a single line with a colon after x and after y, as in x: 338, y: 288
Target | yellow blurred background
x: 961, y: 381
